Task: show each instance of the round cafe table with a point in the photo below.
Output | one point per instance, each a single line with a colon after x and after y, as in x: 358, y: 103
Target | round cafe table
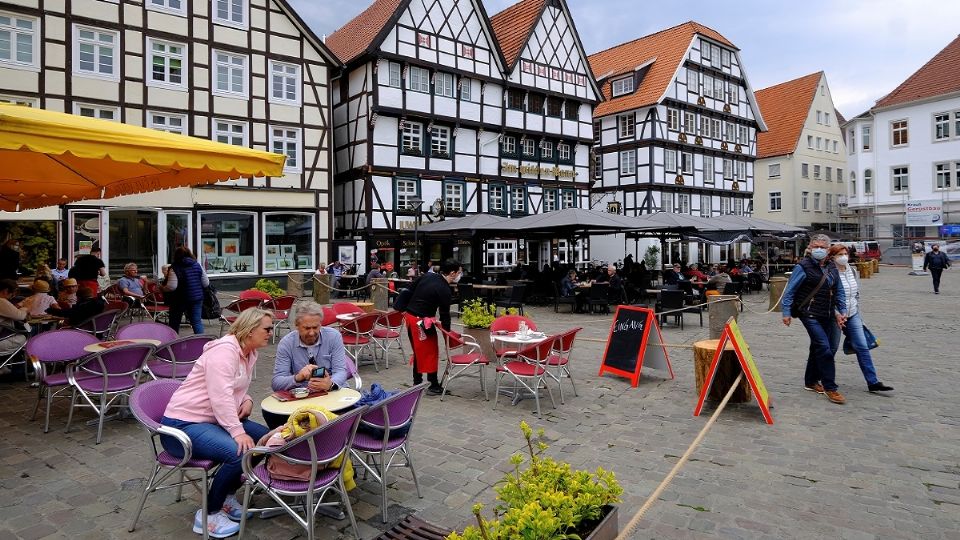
x: 98, y: 347
x: 332, y: 401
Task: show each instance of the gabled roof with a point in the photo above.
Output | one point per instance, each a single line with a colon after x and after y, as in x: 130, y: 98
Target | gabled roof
x: 513, y: 26
x: 664, y: 51
x: 785, y: 108
x: 937, y: 77
x: 354, y: 38
x: 310, y: 35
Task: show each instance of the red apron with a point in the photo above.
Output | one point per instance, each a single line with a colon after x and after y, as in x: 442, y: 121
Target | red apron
x: 426, y: 348
x: 90, y: 283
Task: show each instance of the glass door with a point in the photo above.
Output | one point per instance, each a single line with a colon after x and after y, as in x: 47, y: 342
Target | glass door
x: 132, y: 238
x: 176, y: 230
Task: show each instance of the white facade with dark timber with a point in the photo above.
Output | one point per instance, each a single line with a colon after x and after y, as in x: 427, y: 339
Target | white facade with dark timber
x: 245, y: 72
x: 677, y: 132
x: 432, y: 110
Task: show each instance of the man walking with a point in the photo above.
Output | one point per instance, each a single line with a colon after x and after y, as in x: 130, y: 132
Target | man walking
x: 936, y: 261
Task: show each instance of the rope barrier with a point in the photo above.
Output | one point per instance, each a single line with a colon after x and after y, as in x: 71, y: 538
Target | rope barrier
x: 635, y: 521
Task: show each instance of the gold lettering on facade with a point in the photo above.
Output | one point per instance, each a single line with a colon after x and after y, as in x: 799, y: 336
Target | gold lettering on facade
x: 510, y: 168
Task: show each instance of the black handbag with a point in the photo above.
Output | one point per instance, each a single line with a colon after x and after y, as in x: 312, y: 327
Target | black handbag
x: 872, y: 342
x: 211, y: 305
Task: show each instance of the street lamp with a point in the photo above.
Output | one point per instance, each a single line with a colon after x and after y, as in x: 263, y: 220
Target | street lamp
x: 415, y: 203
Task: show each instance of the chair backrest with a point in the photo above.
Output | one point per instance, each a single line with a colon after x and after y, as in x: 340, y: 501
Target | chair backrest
x: 397, y: 411
x: 671, y: 299
x: 254, y: 294
x: 537, y: 352
x: 329, y: 316
x: 363, y: 324
x: 511, y: 323
x: 344, y: 308
x: 117, y: 361
x: 280, y: 303
x: 564, y: 342
x: 149, y: 401
x: 516, y: 293
x: 466, y: 291
x: 118, y: 305
x: 732, y: 288
x: 392, y: 319
x: 325, y: 443
x: 598, y: 291
x: 685, y: 286
x: 59, y: 345
x: 183, y: 350
x: 147, y: 330
x: 243, y: 304
x: 354, y: 373
x: 99, y: 324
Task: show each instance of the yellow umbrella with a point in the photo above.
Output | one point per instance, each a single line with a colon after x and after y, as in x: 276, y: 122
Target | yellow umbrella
x: 50, y: 158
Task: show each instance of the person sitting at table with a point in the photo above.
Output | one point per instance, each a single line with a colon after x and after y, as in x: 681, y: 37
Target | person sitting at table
x: 88, y: 304
x: 694, y: 273
x: 60, y: 272
x: 40, y: 301
x: 131, y: 284
x: 374, y: 273
x: 431, y: 293
x: 674, y: 275
x: 745, y: 267
x: 68, y: 294
x: 10, y: 315
x: 299, y: 353
x: 615, y: 293
x: 717, y: 281
x: 213, y: 408
x: 568, y: 285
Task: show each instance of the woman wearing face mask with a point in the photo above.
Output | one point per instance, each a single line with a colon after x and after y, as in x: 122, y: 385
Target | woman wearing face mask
x: 853, y: 328
x: 813, y: 295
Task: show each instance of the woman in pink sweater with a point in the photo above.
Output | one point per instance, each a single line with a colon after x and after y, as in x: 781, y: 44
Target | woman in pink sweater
x: 212, y: 407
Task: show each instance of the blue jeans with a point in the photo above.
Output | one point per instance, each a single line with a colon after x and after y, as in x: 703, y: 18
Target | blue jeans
x: 820, y: 365
x: 212, y: 442
x: 854, y: 330
x: 192, y: 310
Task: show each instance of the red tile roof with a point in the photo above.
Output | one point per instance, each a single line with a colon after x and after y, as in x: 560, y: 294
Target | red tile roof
x: 353, y: 38
x: 785, y: 108
x: 939, y: 76
x: 665, y: 49
x: 513, y: 26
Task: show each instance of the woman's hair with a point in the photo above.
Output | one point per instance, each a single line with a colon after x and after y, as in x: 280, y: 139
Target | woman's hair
x: 182, y: 253
x: 128, y: 266
x: 247, y: 322
x: 9, y: 286
x: 450, y: 266
x: 835, y: 250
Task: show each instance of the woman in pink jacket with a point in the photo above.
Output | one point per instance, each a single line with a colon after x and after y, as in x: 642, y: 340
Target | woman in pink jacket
x: 213, y: 408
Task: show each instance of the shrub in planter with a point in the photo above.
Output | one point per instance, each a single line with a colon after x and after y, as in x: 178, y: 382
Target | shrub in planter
x: 546, y: 500
x: 270, y: 287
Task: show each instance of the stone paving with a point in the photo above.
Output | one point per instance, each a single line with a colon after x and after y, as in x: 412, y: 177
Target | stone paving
x: 877, y: 467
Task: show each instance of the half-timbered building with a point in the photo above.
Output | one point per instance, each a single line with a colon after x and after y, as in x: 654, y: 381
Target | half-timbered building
x: 442, y: 112
x: 244, y: 72
x: 676, y: 132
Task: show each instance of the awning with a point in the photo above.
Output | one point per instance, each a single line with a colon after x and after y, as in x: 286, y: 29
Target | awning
x: 475, y: 222
x: 50, y: 158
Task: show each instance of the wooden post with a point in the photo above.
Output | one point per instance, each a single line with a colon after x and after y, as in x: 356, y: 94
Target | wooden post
x: 321, y: 288
x: 776, y: 288
x: 727, y: 371
x: 295, y: 281
x: 721, y: 308
x: 379, y: 293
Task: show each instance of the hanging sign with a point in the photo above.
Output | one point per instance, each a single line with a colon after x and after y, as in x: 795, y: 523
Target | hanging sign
x: 634, y: 340
x: 731, y: 333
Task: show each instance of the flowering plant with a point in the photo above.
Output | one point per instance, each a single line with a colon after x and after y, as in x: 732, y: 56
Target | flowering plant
x: 477, y: 314
x: 270, y: 287
x: 547, y: 500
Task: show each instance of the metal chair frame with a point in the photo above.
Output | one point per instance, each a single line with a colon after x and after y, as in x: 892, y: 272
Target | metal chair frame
x: 390, y: 329
x: 357, y: 336
x: 534, y: 355
x: 472, y: 358
x: 559, y: 360
x: 166, y: 353
x: 235, y: 308
x: 46, y: 380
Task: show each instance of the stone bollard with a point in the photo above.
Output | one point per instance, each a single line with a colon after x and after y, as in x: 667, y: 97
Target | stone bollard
x: 321, y: 288
x: 379, y: 294
x: 721, y: 308
x: 295, y: 281
x: 776, y: 287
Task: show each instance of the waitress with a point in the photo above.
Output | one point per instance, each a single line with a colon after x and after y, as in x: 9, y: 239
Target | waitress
x: 431, y: 293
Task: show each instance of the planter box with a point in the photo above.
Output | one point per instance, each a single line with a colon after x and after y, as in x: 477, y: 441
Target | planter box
x: 607, y: 528
x: 482, y: 335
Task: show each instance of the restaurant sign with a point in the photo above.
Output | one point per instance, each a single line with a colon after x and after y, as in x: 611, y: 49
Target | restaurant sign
x: 509, y: 168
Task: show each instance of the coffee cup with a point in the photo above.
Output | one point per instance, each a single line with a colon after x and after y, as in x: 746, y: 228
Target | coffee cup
x: 300, y: 392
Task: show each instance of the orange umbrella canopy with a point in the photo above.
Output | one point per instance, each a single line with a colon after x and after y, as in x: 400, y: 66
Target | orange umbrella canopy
x: 50, y: 158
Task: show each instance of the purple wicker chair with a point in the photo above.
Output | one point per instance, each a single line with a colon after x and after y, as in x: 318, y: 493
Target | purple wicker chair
x: 354, y: 374
x: 100, y: 326
x: 175, y: 359
x: 318, y: 449
x: 376, y: 453
x: 147, y: 330
x: 147, y: 403
x: 17, y: 340
x: 49, y: 352
x: 105, y: 378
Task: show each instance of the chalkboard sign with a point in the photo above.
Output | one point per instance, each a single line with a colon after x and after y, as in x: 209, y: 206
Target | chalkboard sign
x: 634, y: 339
x: 731, y: 332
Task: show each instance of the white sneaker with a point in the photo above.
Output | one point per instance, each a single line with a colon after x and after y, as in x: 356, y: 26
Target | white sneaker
x: 219, y: 525
x: 233, y: 509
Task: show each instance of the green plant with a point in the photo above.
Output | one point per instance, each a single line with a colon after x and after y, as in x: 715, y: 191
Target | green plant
x: 652, y: 256
x: 270, y: 287
x: 547, y: 500
x: 477, y: 314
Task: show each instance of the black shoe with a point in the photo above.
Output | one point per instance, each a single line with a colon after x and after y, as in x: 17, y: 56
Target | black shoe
x: 434, y: 390
x: 879, y: 387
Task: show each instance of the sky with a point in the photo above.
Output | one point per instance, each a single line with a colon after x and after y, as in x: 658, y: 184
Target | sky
x: 866, y: 47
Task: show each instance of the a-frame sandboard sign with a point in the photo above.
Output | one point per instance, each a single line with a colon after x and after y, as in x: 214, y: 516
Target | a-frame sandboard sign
x: 634, y: 341
x: 731, y: 333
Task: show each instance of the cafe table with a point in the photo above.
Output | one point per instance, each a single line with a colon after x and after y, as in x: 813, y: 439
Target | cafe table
x: 515, y: 342
x: 105, y: 345
x: 337, y: 400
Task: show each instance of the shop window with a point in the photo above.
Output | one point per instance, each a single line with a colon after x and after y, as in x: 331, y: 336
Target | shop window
x: 85, y: 227
x: 287, y: 242
x: 227, y: 241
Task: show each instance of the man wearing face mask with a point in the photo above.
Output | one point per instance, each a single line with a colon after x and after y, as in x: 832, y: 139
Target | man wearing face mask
x: 813, y: 295
x: 936, y: 261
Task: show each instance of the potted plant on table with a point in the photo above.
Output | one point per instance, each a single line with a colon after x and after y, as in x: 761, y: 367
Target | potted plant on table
x: 476, y: 317
x: 548, y: 500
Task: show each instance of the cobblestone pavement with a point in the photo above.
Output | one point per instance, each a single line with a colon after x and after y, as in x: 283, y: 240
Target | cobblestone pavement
x: 878, y: 467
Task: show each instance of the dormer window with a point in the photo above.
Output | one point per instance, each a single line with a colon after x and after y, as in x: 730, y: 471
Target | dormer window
x: 622, y: 86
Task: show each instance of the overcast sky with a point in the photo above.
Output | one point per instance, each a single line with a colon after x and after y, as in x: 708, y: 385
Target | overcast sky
x: 866, y: 47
